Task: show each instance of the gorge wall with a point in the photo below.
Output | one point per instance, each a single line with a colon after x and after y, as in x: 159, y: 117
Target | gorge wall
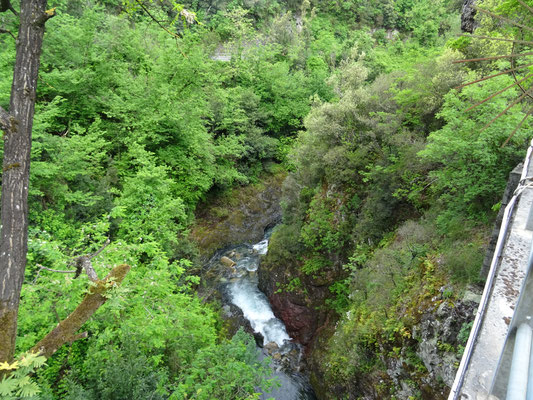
x: 418, y: 361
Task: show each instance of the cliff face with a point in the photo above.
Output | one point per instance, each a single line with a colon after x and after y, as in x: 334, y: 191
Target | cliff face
x: 404, y: 328
x: 421, y: 364
x: 299, y: 305
x: 239, y: 216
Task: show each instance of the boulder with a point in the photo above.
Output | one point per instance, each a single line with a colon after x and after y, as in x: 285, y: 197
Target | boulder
x: 228, y: 262
x: 235, y: 319
x: 272, y: 347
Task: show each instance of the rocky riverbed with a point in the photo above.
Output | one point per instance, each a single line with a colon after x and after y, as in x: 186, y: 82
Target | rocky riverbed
x: 233, y: 273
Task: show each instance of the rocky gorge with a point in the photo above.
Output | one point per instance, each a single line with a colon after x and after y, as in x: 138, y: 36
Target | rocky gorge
x: 420, y: 364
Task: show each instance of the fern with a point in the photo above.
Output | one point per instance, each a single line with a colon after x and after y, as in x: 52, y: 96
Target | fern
x: 18, y: 384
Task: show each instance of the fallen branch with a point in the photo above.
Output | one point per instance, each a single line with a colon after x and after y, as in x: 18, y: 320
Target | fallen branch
x: 65, y: 331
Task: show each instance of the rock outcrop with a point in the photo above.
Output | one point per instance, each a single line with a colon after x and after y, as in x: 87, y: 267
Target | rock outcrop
x: 300, y: 320
x: 299, y: 305
x: 468, y: 16
x: 423, y: 366
x: 239, y: 216
x: 437, y: 334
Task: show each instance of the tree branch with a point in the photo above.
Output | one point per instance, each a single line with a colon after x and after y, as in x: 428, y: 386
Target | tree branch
x: 81, y: 263
x: 106, y: 243
x: 6, y: 5
x: 84, y: 262
x: 65, y: 331
x: 6, y: 31
x: 56, y: 270
x: 155, y: 20
x: 41, y: 267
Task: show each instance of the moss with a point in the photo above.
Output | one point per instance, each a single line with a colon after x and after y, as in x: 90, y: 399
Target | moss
x: 8, y: 323
x: 238, y: 215
x: 66, y: 330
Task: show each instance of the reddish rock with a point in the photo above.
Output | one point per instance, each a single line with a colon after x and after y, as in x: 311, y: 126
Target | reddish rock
x: 299, y: 320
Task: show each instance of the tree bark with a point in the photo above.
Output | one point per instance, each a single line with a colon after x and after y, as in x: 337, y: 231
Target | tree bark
x: 17, y: 127
x: 66, y: 330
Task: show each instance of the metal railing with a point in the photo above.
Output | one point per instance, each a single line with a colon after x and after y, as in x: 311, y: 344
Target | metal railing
x: 516, y: 380
x: 463, y: 366
x: 517, y: 384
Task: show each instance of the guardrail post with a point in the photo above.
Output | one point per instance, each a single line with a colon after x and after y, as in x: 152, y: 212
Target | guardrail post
x: 518, y: 376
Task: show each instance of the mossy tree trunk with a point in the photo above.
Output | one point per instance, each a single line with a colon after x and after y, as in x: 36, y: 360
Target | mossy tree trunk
x: 17, y: 126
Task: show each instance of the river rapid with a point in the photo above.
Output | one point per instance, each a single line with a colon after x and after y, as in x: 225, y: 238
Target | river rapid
x: 237, y: 283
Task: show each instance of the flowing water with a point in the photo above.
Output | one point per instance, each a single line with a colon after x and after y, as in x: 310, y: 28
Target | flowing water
x: 238, y: 286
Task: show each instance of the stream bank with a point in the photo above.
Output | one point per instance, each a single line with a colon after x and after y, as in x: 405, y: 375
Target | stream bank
x: 239, y: 215
x: 232, y: 234
x: 232, y: 272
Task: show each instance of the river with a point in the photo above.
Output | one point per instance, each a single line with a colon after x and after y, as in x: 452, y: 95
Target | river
x: 237, y: 282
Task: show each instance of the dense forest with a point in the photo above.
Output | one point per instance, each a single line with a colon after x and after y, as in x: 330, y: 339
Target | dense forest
x: 148, y: 111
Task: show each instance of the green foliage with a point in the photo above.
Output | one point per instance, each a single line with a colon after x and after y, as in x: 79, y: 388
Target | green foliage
x: 464, y: 262
x: 135, y: 127
x: 319, y: 233
x: 341, y: 291
x: 407, y: 16
x: 294, y: 284
x: 125, y: 373
x: 18, y: 384
x: 227, y: 372
x: 146, y: 203
x: 464, y: 333
x: 473, y: 166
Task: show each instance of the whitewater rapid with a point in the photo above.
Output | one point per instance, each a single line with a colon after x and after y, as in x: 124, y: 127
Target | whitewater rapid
x: 239, y: 287
x: 245, y: 294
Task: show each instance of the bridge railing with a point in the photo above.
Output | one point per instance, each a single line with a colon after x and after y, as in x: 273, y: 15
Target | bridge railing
x: 514, y: 375
x: 457, y: 391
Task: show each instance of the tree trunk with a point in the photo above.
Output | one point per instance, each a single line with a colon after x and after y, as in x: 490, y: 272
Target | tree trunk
x: 17, y: 127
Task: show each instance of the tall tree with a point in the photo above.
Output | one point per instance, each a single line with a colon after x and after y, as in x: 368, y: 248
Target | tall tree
x: 17, y: 127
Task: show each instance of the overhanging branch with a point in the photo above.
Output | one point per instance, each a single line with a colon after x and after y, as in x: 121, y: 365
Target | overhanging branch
x: 5, y: 5
x: 66, y: 330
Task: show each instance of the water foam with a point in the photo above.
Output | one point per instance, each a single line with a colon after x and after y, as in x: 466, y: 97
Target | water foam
x: 261, y: 247
x: 256, y: 309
